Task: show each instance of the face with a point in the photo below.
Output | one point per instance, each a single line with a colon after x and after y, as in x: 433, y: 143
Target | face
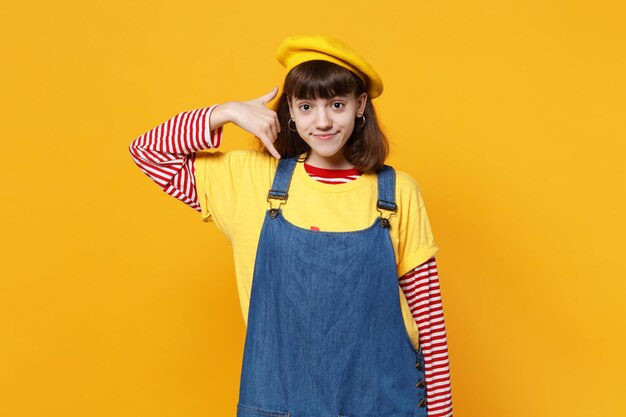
x: 326, y: 125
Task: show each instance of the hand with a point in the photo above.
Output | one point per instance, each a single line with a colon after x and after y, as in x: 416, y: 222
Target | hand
x: 257, y: 119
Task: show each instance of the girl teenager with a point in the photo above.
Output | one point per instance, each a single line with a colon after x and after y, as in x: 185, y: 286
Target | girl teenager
x: 334, y: 254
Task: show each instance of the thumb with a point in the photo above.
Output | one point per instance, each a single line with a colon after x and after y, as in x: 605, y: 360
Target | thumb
x: 266, y: 98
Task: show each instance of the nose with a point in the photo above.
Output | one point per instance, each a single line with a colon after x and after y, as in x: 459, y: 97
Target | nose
x: 324, y: 122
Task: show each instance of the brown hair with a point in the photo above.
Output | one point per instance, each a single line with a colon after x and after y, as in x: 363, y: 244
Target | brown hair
x: 366, y: 149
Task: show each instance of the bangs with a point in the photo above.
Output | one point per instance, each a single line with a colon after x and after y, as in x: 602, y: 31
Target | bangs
x: 321, y: 79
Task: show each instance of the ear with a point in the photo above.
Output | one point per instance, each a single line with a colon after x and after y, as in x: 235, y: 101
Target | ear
x: 290, y: 107
x: 361, y: 102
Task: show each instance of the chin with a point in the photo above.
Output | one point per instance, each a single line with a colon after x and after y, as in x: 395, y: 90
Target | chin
x: 326, y: 153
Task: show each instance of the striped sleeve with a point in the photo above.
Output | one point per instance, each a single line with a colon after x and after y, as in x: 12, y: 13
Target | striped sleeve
x: 421, y: 289
x: 166, y: 153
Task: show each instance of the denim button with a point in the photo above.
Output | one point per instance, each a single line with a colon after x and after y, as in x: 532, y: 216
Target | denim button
x: 422, y: 403
x: 418, y: 365
x: 421, y: 384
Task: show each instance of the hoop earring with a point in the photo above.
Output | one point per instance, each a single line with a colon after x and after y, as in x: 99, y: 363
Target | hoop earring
x: 362, y: 124
x: 304, y: 157
x: 289, y: 125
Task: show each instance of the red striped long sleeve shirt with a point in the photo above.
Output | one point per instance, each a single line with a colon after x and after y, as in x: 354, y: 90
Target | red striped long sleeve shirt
x: 166, y: 154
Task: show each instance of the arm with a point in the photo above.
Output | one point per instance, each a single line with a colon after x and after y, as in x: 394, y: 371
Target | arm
x: 421, y: 289
x: 167, y: 153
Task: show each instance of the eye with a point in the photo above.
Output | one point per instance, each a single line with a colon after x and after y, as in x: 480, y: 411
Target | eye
x: 304, y: 107
x: 338, y: 105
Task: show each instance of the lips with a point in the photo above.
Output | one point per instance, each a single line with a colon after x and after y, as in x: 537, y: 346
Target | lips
x: 324, y: 137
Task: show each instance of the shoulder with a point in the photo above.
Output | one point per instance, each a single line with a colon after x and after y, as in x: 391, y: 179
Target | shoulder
x: 234, y: 155
x: 414, y: 235
x: 408, y: 192
x: 237, y: 161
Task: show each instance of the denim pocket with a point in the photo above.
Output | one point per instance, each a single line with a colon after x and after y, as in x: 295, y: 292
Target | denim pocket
x: 248, y: 411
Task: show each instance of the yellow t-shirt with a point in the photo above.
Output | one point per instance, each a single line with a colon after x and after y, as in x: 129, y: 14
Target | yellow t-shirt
x: 232, y: 191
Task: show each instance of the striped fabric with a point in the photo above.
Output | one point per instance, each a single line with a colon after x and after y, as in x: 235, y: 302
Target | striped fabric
x: 421, y: 289
x: 166, y: 154
x: 332, y: 176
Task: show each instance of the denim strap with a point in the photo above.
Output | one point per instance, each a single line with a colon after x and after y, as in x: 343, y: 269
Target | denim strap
x: 387, y: 188
x: 386, y: 183
x: 282, y: 178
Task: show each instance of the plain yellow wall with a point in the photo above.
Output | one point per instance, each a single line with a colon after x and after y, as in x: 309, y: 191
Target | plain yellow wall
x: 116, y: 300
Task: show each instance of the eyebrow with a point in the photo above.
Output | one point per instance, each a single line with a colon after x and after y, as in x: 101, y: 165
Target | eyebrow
x: 330, y: 98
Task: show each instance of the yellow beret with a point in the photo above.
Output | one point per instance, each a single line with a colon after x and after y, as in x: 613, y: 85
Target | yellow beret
x: 295, y: 50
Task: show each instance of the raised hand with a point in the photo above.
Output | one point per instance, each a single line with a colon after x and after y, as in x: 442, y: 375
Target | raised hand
x: 254, y: 117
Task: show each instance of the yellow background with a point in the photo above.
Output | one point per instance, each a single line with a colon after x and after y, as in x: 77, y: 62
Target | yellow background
x: 116, y: 300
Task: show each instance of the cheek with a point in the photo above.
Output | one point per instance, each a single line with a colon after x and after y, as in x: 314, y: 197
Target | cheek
x: 350, y: 126
x: 303, y: 124
x: 302, y: 132
x: 302, y: 129
x: 348, y: 122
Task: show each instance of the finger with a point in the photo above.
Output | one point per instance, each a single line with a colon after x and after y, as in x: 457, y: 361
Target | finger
x: 266, y: 98
x: 273, y: 151
x: 273, y: 132
x: 277, y: 123
x: 270, y: 147
x: 273, y: 124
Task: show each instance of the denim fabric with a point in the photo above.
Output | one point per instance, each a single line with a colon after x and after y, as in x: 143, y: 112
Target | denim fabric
x: 325, y: 335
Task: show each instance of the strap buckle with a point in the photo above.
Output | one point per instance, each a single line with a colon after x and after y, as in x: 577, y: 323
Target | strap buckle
x: 390, y: 207
x: 276, y: 195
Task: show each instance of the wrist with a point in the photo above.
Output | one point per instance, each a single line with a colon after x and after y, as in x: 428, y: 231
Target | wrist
x: 220, y: 115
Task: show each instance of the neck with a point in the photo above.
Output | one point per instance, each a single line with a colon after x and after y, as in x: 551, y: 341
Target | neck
x: 337, y: 161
